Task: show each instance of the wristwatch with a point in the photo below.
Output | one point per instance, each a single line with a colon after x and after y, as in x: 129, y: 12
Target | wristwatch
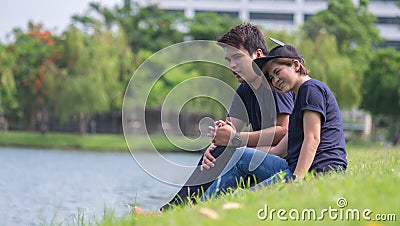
x: 236, y: 141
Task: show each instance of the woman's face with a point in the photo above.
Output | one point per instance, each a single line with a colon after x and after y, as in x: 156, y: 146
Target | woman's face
x: 283, y: 77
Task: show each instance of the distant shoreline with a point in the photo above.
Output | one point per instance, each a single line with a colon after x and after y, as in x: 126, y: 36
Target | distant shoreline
x: 95, y: 142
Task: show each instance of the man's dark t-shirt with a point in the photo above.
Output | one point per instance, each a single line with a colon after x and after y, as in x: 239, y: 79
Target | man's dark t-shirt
x: 259, y: 107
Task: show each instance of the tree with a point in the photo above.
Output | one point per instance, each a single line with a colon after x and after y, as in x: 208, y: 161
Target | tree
x: 8, y: 90
x: 353, y: 26
x: 147, y: 27
x: 92, y: 83
x: 322, y: 57
x: 35, y: 72
x: 381, y: 89
x: 210, y: 26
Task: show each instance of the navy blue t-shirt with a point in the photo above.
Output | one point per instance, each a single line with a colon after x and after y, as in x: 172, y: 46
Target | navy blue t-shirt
x: 259, y: 107
x: 315, y: 96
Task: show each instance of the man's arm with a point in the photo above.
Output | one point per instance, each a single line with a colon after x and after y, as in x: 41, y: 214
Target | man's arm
x: 265, y: 137
x: 268, y: 136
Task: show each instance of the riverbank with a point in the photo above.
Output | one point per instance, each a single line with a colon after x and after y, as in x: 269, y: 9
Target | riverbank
x: 367, y: 194
x: 92, y: 142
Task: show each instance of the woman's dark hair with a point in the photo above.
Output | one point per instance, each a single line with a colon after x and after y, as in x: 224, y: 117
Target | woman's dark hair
x: 248, y: 35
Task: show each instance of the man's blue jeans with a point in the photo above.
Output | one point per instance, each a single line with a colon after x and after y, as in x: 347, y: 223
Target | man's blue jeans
x: 249, y: 162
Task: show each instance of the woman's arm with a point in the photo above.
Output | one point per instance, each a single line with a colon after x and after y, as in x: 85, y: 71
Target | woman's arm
x: 280, y: 149
x: 312, y: 135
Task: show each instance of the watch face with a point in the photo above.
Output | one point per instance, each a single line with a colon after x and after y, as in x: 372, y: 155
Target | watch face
x: 236, y: 141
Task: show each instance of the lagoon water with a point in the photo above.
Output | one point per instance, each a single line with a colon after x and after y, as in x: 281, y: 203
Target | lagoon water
x: 43, y: 187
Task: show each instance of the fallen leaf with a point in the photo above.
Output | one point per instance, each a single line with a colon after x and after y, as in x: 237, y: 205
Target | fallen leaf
x: 231, y: 206
x: 374, y: 224
x: 209, y: 213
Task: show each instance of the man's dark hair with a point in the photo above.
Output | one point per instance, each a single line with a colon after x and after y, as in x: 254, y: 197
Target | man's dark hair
x: 248, y: 35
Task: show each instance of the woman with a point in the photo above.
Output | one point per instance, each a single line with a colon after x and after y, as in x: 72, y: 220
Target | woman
x: 315, y: 142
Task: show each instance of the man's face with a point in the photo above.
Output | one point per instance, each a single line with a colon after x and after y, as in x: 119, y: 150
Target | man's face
x: 240, y: 63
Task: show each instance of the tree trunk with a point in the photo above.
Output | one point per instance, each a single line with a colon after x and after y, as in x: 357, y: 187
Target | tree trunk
x: 3, y: 120
x: 396, y: 130
x: 32, y: 119
x: 83, y: 123
x: 44, y: 120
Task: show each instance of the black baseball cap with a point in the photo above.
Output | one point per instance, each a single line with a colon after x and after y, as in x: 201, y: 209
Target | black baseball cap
x: 280, y: 51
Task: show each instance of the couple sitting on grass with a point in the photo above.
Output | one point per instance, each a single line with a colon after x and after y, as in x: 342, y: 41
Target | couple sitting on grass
x: 306, y: 135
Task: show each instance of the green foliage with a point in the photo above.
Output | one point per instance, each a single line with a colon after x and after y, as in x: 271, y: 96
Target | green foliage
x: 35, y: 70
x: 381, y: 89
x: 86, y: 70
x: 7, y: 83
x: 153, y: 29
x: 353, y: 26
x: 381, y: 83
x: 210, y: 26
x: 186, y: 93
x: 98, y: 142
x: 146, y: 27
x: 332, y: 68
x: 96, y: 73
x: 167, y: 82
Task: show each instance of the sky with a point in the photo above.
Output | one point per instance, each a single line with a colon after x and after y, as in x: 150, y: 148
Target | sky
x: 55, y: 15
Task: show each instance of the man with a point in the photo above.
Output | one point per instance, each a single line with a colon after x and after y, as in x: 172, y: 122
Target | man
x: 254, y: 103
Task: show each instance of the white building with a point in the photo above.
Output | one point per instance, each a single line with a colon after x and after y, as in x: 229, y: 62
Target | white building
x: 284, y: 14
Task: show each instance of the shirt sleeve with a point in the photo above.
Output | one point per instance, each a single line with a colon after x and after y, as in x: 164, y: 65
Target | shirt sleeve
x: 238, y: 109
x: 313, y: 99
x: 284, y: 102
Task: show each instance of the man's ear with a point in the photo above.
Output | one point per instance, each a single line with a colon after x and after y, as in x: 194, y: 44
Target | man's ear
x: 259, y: 53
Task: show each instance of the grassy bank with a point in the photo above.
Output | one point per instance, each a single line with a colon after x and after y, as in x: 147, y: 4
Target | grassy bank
x: 95, y: 142
x: 369, y: 187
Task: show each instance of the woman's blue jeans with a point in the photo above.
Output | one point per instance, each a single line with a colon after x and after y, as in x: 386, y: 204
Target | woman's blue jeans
x: 249, y: 162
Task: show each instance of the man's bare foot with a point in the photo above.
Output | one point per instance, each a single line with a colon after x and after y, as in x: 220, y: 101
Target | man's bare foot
x: 137, y: 210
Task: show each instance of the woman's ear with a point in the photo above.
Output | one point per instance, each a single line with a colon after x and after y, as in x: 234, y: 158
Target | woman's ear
x: 297, y: 65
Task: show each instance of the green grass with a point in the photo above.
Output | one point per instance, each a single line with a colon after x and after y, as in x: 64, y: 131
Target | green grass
x: 96, y: 142
x: 372, y: 181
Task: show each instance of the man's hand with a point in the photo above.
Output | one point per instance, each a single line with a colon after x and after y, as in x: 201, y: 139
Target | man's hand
x: 208, y: 159
x: 212, y: 133
x: 224, y: 133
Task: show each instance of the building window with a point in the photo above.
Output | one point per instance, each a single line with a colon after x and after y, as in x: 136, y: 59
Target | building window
x: 175, y: 12
x: 272, y: 16
x: 394, y: 44
x: 307, y: 17
x: 388, y: 20
x: 221, y: 13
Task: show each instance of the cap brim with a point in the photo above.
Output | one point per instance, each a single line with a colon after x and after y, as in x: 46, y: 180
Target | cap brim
x: 259, y: 64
